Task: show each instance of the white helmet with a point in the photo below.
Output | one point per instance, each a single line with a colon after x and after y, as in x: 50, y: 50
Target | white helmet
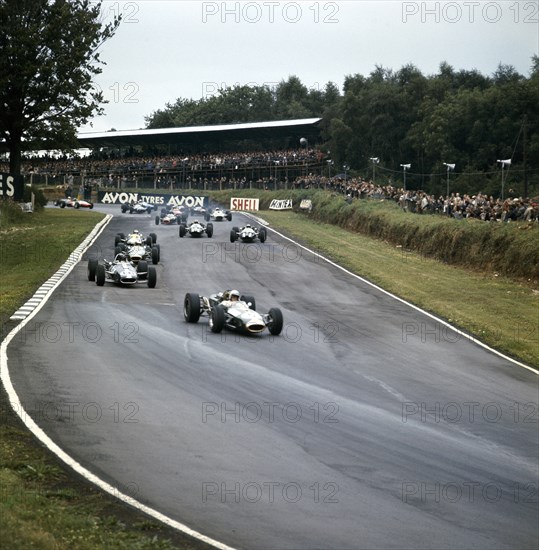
x: 234, y: 293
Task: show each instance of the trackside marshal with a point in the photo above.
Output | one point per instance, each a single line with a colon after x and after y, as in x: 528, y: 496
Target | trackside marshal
x: 243, y: 204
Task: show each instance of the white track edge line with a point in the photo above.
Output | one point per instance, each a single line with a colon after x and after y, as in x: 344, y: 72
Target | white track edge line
x: 16, y: 404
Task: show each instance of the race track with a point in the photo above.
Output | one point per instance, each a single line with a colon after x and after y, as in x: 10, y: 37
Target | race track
x: 365, y: 425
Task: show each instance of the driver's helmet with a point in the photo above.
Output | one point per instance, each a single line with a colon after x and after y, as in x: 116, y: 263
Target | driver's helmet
x: 135, y: 231
x: 234, y: 295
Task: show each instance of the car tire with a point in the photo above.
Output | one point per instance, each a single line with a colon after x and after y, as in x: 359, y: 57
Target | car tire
x: 142, y: 269
x: 154, y: 238
x: 275, y: 326
x: 118, y: 250
x: 233, y: 235
x: 191, y: 308
x: 229, y: 216
x: 217, y: 318
x: 148, y: 241
x: 92, y: 267
x: 155, y: 255
x: 152, y: 277
x: 209, y: 230
x: 156, y: 220
x: 182, y: 230
x: 262, y: 234
x: 91, y: 205
x: 207, y: 217
x: 100, y: 275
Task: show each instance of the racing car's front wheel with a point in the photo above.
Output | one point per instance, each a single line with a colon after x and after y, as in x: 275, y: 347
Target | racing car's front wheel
x: 275, y: 324
x: 92, y: 267
x: 191, y: 308
x: 217, y: 319
x: 100, y: 275
x: 183, y: 230
x: 154, y: 237
x: 155, y: 255
x: 156, y: 220
x: 152, y: 277
x: 262, y: 235
x: 209, y: 230
x: 233, y: 235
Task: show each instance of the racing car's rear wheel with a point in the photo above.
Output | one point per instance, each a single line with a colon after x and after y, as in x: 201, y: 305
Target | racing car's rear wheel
x: 262, y: 235
x: 100, y: 275
x: 217, y: 319
x: 156, y: 220
x: 191, y: 308
x: 118, y: 250
x: 62, y: 205
x: 182, y: 231
x: 92, y: 266
x: 249, y: 300
x: 154, y: 238
x: 207, y: 217
x: 164, y: 211
x: 155, y: 255
x: 233, y: 234
x: 209, y: 229
x: 91, y: 205
x: 152, y: 277
x: 275, y: 325
x: 77, y: 205
x: 117, y: 239
x: 229, y: 216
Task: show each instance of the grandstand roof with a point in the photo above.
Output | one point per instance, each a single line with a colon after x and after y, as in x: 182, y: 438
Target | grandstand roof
x: 194, y: 135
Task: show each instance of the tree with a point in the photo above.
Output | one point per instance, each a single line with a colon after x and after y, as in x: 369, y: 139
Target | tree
x: 48, y: 59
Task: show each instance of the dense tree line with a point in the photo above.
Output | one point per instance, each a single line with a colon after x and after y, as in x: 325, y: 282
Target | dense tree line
x: 460, y: 117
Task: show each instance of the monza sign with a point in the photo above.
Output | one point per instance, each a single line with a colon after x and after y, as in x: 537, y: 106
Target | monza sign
x: 11, y: 187
x: 281, y: 204
x: 107, y: 197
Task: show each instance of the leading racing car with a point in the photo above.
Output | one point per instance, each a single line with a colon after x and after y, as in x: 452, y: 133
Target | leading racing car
x: 196, y: 229
x: 218, y: 215
x: 224, y: 312
x: 248, y: 234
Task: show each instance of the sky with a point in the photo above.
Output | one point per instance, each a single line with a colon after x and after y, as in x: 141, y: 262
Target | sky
x: 165, y: 50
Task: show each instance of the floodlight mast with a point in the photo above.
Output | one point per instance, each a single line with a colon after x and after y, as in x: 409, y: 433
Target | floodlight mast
x: 503, y: 163
x: 404, y: 168
x: 449, y: 168
x: 375, y: 161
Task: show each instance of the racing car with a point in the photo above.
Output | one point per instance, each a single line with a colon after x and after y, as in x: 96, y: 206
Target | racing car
x: 169, y: 216
x: 121, y: 271
x: 218, y: 215
x: 248, y: 234
x: 198, y: 211
x: 238, y: 315
x: 196, y: 229
x: 139, y: 207
x: 75, y: 203
x: 137, y: 247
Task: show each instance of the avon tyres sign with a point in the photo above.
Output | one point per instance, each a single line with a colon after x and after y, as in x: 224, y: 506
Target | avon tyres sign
x: 11, y: 187
x: 160, y: 200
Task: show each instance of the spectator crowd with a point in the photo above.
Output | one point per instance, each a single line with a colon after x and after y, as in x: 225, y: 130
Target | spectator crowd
x: 275, y: 169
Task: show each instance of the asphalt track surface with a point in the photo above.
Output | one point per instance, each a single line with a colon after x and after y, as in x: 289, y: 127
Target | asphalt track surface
x: 365, y: 425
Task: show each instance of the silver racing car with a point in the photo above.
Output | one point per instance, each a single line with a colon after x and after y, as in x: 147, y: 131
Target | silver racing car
x: 225, y: 312
x: 248, y: 234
